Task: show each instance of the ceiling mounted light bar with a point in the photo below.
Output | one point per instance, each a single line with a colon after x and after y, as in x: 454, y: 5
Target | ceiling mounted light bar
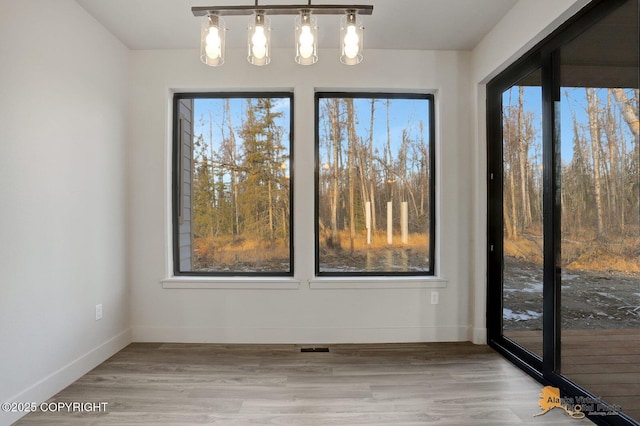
x: 259, y: 31
x: 316, y: 9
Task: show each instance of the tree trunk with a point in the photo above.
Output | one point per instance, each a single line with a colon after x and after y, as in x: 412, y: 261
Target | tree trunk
x: 512, y: 193
x: 623, y: 154
x: 351, y: 140
x: 361, y: 176
x: 594, y: 131
x: 522, y: 157
x: 234, y: 165
x: 372, y: 181
x: 509, y: 181
x: 335, y: 139
x: 271, y: 228
x: 628, y: 112
x: 610, y: 129
x: 212, y: 183
x: 389, y: 156
x: 631, y: 117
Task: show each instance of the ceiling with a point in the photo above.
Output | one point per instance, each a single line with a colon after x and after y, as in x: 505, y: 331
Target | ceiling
x: 394, y: 24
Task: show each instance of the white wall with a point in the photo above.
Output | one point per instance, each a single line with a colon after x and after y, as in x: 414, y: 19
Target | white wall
x: 63, y: 109
x: 306, y: 312
x: 526, y: 24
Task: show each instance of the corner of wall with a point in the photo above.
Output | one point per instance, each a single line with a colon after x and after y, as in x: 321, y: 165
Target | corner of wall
x: 64, y: 376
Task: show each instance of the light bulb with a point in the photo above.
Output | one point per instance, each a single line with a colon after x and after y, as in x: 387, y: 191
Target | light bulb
x: 306, y: 42
x: 306, y: 38
x: 352, y: 36
x: 259, y: 43
x: 351, y: 42
x: 258, y: 37
x: 259, y: 51
x: 212, y: 47
x: 351, y: 50
x: 306, y: 51
x: 213, y: 52
x: 214, y: 36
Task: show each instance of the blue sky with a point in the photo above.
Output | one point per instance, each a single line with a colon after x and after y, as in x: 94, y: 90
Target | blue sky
x: 209, y: 120
x: 403, y: 114
x: 408, y: 113
x: 215, y: 106
x: 573, y: 101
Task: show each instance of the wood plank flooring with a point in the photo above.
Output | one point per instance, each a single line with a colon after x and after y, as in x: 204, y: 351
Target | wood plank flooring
x: 390, y: 384
x: 605, y: 362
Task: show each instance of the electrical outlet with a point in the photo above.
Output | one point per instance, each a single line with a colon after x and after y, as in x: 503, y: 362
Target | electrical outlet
x: 435, y: 297
x: 99, y: 312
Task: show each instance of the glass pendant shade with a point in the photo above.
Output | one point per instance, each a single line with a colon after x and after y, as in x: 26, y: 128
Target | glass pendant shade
x: 351, y: 39
x: 212, y: 40
x: 306, y: 36
x: 259, y: 39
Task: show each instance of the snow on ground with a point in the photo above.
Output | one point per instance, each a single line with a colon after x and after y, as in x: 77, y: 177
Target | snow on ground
x: 533, y: 288
x: 509, y: 315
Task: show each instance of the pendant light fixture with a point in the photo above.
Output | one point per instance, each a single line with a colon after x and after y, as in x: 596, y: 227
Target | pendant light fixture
x: 212, y: 38
x: 306, y: 33
x: 259, y: 39
x: 351, y: 37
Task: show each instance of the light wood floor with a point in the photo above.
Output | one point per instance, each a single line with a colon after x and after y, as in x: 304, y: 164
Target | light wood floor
x: 397, y: 384
x: 605, y: 362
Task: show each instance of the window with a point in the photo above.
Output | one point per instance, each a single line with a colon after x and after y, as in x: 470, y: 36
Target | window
x: 374, y: 184
x: 232, y: 184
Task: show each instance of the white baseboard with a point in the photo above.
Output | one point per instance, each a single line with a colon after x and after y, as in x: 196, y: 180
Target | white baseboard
x: 479, y: 336
x: 300, y: 335
x: 63, y: 377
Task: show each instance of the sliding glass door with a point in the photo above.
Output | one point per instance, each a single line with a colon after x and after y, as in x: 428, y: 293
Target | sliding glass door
x: 523, y: 239
x: 600, y: 225
x: 564, y: 211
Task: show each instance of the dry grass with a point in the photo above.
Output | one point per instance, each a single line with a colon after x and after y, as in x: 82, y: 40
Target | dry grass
x: 527, y: 248
x: 217, y: 251
x: 583, y: 251
x: 379, y: 241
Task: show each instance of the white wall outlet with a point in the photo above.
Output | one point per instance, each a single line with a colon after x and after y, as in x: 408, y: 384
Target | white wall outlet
x: 435, y: 297
x: 99, y: 312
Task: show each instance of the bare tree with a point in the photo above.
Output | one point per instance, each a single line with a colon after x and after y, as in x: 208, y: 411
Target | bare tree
x: 629, y: 113
x: 351, y: 141
x: 523, y: 148
x: 372, y: 178
x: 335, y: 140
x: 594, y: 131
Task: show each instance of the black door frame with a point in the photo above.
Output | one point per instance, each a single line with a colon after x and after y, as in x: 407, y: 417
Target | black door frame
x: 544, y: 56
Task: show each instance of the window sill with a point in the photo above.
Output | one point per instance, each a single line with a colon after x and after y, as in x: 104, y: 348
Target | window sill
x: 231, y: 283
x: 351, y: 283
x: 318, y: 283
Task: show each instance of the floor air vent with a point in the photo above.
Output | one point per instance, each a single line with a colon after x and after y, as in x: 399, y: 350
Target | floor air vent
x: 314, y: 349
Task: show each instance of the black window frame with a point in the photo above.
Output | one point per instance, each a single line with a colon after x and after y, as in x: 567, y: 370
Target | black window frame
x: 430, y: 98
x: 176, y: 175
